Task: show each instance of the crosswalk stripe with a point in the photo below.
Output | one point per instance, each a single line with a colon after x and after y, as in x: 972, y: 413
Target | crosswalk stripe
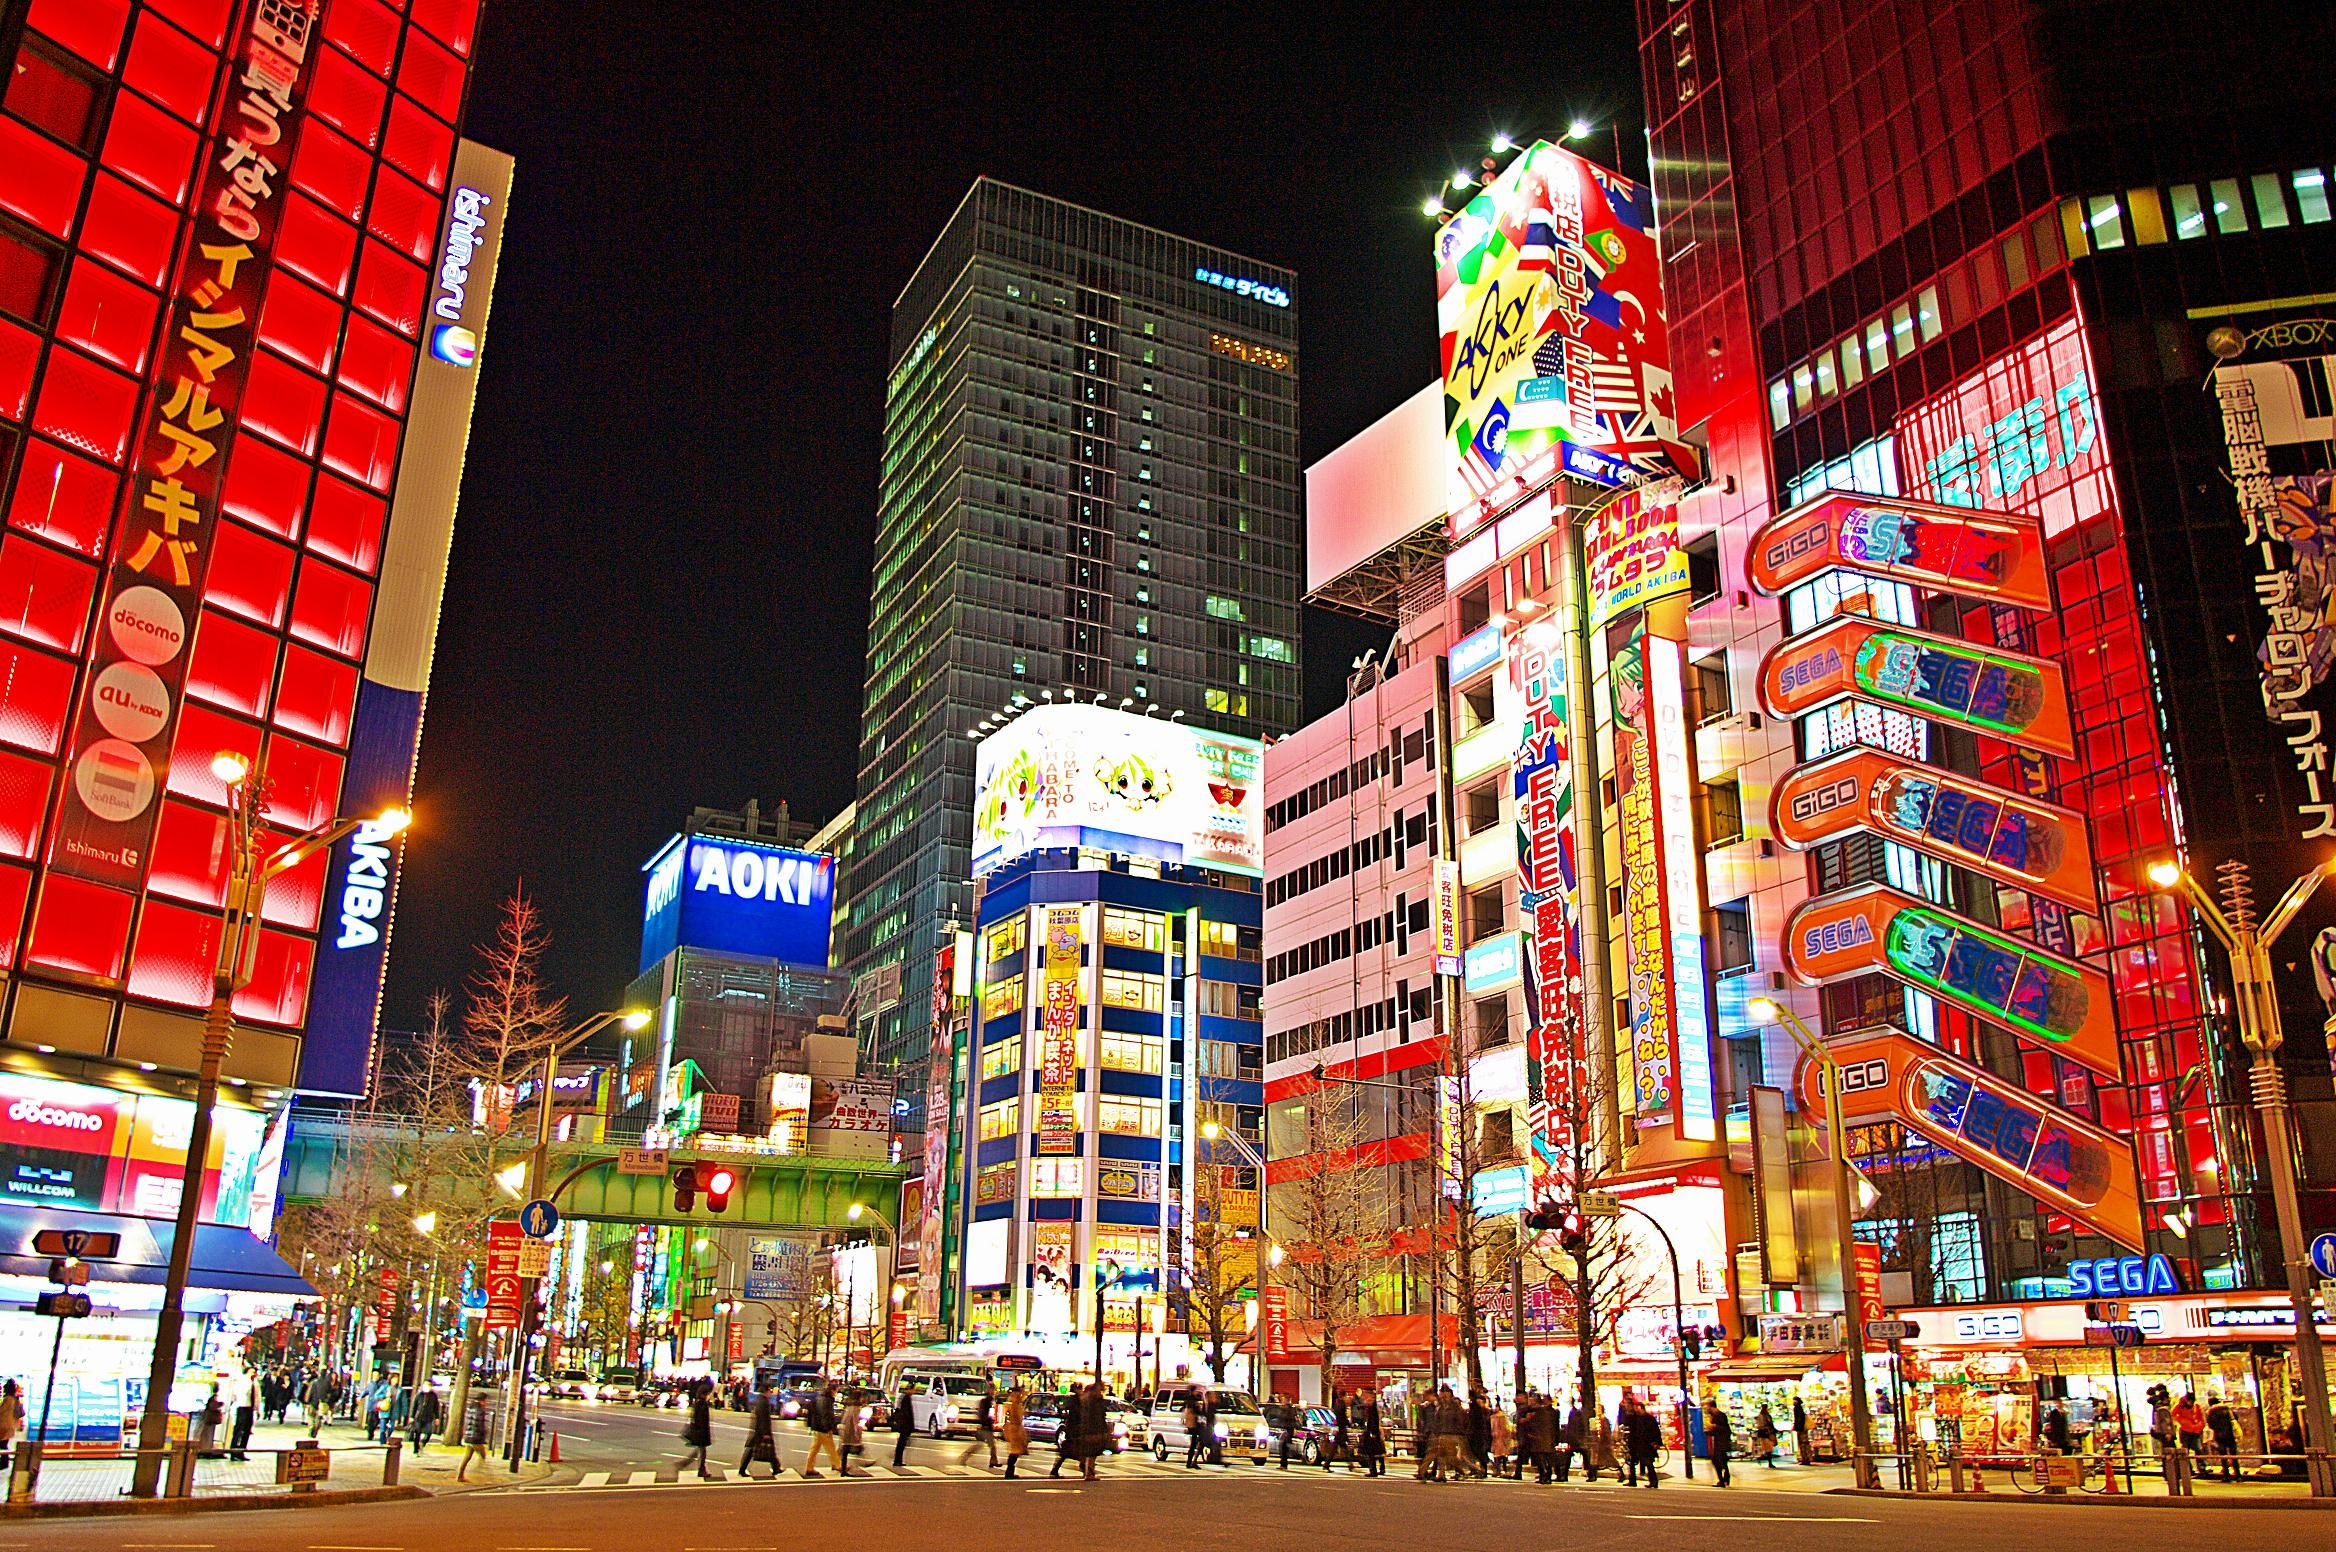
x: 593, y: 1479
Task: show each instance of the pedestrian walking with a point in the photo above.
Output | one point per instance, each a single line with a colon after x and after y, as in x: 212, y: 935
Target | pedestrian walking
x: 429, y: 1411
x: 1476, y: 1426
x: 904, y: 1423
x: 1016, y: 1430
x: 242, y: 1411
x: 1342, y: 1438
x: 1504, y: 1446
x: 1574, y: 1439
x: 2223, y: 1429
x: 819, y: 1416
x: 2190, y: 1425
x: 1764, y: 1435
x: 761, y: 1443
x: 1803, y: 1453
x: 1537, y: 1438
x: 1371, y: 1435
x: 1209, y: 1438
x: 478, y: 1429
x: 1642, y: 1438
x: 319, y: 1400
x: 698, y: 1432
x: 1719, y: 1436
x: 1094, y: 1429
x: 848, y: 1438
x: 11, y: 1421
x: 1598, y: 1445
x: 1195, y: 1447
x: 205, y: 1434
x: 985, y: 1425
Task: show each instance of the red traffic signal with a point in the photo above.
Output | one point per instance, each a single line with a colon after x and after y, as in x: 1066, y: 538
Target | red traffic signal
x: 718, y: 1184
x: 685, y: 1188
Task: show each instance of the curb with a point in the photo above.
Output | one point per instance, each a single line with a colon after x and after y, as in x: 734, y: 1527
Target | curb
x: 150, y: 1508
x: 2089, y: 1500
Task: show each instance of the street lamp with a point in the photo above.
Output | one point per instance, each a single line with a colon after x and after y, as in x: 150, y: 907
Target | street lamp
x: 2248, y: 944
x: 1861, y: 1419
x: 1269, y: 1254
x: 522, y: 1350
x: 886, y: 1272
x: 249, y: 872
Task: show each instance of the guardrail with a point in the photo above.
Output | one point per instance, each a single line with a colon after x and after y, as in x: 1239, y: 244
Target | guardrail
x: 43, y: 1475
x: 2105, y: 1472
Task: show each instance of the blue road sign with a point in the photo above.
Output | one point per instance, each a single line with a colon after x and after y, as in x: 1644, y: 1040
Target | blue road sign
x: 2324, y: 1255
x: 539, y: 1219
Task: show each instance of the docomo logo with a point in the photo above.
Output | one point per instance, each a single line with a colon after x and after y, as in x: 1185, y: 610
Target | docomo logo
x: 147, y: 625
x: 34, y: 1113
x: 751, y: 875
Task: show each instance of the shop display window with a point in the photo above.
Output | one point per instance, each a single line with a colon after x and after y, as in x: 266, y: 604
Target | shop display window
x: 176, y: 954
x: 39, y: 179
x: 249, y: 575
x: 232, y: 665
x: 64, y: 499
x: 44, y: 593
x: 171, y: 68
x: 149, y: 147
x: 129, y: 229
x: 24, y: 799
x: 86, y: 405
x: 80, y: 928
x: 111, y: 317
x: 35, y: 691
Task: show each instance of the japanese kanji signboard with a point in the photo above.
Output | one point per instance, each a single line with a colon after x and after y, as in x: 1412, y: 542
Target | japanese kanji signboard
x: 129, y: 711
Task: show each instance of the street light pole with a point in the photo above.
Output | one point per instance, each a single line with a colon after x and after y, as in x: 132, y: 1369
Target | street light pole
x: 890, y: 1267
x: 1268, y: 1253
x: 239, y: 918
x: 1678, y: 1337
x: 2257, y: 998
x: 1861, y: 1417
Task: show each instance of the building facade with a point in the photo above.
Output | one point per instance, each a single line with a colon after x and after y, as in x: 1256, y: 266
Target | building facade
x: 1114, y: 1056
x: 1089, y: 491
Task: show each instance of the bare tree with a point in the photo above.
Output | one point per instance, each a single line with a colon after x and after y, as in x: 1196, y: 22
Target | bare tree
x: 509, y: 1019
x: 1471, y: 1248
x: 1333, y: 1215
x: 1218, y: 1261
x: 1602, y: 1270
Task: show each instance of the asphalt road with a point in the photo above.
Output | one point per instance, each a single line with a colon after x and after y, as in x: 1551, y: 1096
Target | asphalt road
x: 1236, y: 1512
x: 611, y: 1436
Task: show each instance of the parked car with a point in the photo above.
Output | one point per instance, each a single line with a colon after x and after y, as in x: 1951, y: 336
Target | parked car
x: 620, y: 1384
x: 1241, y: 1429
x: 575, y: 1384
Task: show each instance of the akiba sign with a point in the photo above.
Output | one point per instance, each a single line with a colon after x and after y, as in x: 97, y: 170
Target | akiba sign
x: 739, y: 898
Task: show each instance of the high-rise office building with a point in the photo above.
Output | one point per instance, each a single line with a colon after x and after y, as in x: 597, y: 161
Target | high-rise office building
x: 1089, y: 492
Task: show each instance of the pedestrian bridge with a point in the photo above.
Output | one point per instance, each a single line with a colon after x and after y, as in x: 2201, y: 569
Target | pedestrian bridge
x: 328, y: 1154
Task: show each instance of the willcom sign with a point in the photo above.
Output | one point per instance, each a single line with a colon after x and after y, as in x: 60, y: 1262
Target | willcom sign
x: 737, y: 898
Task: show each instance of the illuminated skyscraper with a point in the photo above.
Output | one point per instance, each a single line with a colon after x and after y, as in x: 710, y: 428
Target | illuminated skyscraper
x: 1090, y: 492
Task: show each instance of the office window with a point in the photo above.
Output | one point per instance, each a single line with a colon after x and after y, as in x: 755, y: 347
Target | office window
x: 1488, y: 1019
x: 2189, y: 214
x: 1131, y: 929
x: 1732, y: 930
x: 1481, y: 807
x: 1712, y: 700
x: 1130, y: 1053
x: 2311, y: 195
x: 1228, y: 1059
x: 1007, y: 937
x: 1058, y: 1177
x: 2270, y: 203
x: 999, y: 1120
x: 1225, y: 999
x: 1128, y: 989
x: 1002, y: 1057
x: 1123, y: 1116
x: 1222, y: 939
x: 1000, y: 998
x: 1723, y: 812
x: 1487, y: 913
x: 2229, y: 215
x: 1703, y: 568
x: 1780, y: 404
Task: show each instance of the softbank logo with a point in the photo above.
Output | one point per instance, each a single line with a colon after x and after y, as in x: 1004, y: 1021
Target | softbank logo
x: 750, y: 875
x: 38, y: 1114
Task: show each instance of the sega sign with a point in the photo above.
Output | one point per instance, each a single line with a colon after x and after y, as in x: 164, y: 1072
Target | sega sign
x: 739, y: 898
x: 2113, y: 1276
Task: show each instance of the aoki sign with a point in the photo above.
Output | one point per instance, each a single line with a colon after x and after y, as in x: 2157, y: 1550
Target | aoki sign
x: 736, y: 897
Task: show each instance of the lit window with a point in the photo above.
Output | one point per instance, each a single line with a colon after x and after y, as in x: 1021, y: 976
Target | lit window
x: 1144, y: 532
x: 995, y: 1183
x: 2149, y: 216
x: 1127, y: 1117
x: 2270, y: 203
x: 2311, y: 195
x: 1139, y: 993
x: 1143, y: 563
x: 1143, y: 660
x: 1223, y: 608
x: 1130, y: 1053
x: 1222, y: 939
x: 1021, y: 666
x: 2229, y: 217
x: 1780, y: 404
x: 1902, y: 329
x: 2189, y: 215
x: 2105, y: 221
x: 1143, y: 625
x: 1216, y: 700
x: 1131, y: 929
x: 1006, y: 937
x: 1271, y: 647
x: 1000, y: 1119
x: 1001, y: 1057
x: 1144, y: 472
x: 1825, y: 382
x: 1878, y: 344
x: 1853, y: 363
x: 1143, y: 444
x: 1058, y: 1177
x: 1803, y: 381
x: 1146, y: 412
x: 1000, y: 998
x: 1926, y: 310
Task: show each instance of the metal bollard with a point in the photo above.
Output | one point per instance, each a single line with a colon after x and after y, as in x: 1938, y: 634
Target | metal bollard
x: 24, y: 1470
x: 181, y: 1480
x: 389, y: 1460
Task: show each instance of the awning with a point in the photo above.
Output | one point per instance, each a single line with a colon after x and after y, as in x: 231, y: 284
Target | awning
x: 1770, y: 1368
x: 227, y: 1259
x: 1379, y: 1336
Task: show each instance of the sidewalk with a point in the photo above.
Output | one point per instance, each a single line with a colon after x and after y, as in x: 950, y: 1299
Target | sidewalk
x: 1995, y: 1482
x: 356, y: 1461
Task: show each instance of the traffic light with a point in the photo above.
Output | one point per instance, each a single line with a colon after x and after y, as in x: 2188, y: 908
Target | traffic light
x: 718, y: 1184
x: 1691, y: 1343
x: 1544, y: 1217
x: 685, y: 1188
x: 1571, y: 1237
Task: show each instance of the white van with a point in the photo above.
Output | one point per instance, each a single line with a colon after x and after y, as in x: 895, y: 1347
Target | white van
x: 1241, y: 1428
x: 941, y: 1404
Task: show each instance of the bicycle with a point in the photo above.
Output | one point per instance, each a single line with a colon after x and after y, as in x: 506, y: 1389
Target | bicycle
x: 2039, y: 1473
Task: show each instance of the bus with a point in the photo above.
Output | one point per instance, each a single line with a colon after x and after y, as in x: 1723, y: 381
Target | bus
x: 1001, y: 1364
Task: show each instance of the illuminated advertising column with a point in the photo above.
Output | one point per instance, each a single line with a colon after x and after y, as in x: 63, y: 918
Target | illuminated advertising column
x: 386, y: 730
x: 1542, y: 771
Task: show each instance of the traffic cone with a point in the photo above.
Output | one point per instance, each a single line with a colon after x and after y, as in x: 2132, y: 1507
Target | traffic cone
x: 2109, y: 1485
x: 1978, y: 1482
x: 555, y: 1447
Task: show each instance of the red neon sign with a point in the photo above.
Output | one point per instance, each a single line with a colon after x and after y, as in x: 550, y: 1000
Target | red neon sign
x: 2020, y: 699
x: 1990, y: 555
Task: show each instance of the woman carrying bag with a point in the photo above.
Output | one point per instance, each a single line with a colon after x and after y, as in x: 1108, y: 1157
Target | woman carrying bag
x: 1016, y: 1430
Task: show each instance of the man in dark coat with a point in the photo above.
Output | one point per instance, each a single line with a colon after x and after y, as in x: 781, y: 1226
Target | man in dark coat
x: 1643, y: 1438
x: 1537, y: 1436
x: 904, y: 1422
x: 1574, y: 1436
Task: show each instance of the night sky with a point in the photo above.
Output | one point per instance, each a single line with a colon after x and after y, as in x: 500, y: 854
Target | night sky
x: 659, y: 587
